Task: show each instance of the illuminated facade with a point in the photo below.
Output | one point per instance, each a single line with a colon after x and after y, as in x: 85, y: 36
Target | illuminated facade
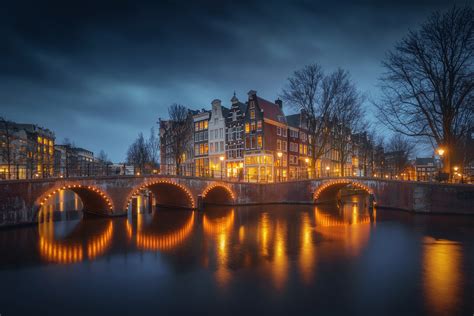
x: 265, y: 127
x: 26, y: 151
x: 216, y: 139
x: 201, y: 144
x: 235, y: 139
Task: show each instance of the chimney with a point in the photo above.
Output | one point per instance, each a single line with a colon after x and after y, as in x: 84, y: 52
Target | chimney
x: 252, y: 93
x: 279, y: 103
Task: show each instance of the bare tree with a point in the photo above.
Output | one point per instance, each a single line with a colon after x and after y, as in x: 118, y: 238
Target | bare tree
x: 137, y: 153
x: 428, y: 86
x: 153, y: 145
x: 103, y: 157
x: 401, y: 150
x: 347, y: 116
x: 312, y: 92
x: 178, y: 131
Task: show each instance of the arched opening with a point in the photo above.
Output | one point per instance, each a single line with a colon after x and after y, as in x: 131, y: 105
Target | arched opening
x: 218, y: 195
x: 343, y: 196
x: 334, y: 190
x: 161, y: 193
x: 76, y: 198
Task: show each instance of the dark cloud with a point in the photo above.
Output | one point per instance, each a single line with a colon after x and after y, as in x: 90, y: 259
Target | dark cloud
x: 99, y: 72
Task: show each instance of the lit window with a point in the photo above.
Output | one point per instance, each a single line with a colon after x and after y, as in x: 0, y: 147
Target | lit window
x: 247, y: 127
x: 260, y: 142
x: 252, y: 114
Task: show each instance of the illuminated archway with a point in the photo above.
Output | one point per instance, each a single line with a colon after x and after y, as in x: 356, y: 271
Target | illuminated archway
x: 218, y: 194
x: 328, y: 191
x: 93, y: 198
x: 167, y: 193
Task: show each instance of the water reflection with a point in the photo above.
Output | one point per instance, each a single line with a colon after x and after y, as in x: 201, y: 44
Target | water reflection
x: 307, y: 257
x: 330, y: 259
x: 161, y: 230
x: 218, y: 224
x: 442, y: 275
x: 59, y: 247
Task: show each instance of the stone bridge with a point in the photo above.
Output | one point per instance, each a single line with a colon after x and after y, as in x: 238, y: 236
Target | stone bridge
x: 21, y: 200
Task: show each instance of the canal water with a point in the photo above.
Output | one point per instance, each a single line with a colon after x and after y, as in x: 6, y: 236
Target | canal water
x: 337, y: 259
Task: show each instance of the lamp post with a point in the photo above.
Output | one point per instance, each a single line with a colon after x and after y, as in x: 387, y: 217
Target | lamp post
x: 327, y: 171
x: 456, y: 168
x: 221, y: 158
x: 279, y: 154
x: 307, y: 170
x: 441, y: 152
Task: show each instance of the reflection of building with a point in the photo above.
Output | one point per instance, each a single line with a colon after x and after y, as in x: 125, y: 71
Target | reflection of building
x: 265, y: 128
x: 217, y: 138
x: 26, y: 151
x: 235, y: 139
x: 201, y: 145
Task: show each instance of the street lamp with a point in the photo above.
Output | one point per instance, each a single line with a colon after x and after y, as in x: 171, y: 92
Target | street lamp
x: 440, y: 152
x: 307, y: 169
x: 221, y: 158
x: 279, y: 154
x: 327, y: 171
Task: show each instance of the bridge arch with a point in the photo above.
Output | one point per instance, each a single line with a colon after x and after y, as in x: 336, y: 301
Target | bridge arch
x: 218, y: 194
x: 94, y: 199
x: 167, y: 193
x: 328, y: 190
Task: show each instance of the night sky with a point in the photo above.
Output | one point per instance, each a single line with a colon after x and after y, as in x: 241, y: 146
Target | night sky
x: 99, y: 72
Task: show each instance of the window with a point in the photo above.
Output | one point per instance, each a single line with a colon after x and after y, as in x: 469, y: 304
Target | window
x: 221, y: 132
x: 260, y: 142
x: 222, y: 146
x: 278, y: 145
x: 205, y: 124
x: 252, y: 125
x: 279, y: 131
x: 196, y: 126
x: 259, y: 125
x: 284, y: 134
x: 284, y: 145
x: 252, y: 114
x: 247, y: 127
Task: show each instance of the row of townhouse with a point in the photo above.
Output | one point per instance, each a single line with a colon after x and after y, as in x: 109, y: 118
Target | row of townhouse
x: 252, y: 141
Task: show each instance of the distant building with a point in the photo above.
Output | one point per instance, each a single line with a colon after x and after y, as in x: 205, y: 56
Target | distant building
x: 426, y: 169
x: 26, y: 151
x: 73, y: 161
x: 168, y: 147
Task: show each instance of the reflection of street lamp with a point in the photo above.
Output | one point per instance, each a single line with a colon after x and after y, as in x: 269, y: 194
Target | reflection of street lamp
x: 279, y: 154
x: 327, y: 170
x: 221, y: 158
